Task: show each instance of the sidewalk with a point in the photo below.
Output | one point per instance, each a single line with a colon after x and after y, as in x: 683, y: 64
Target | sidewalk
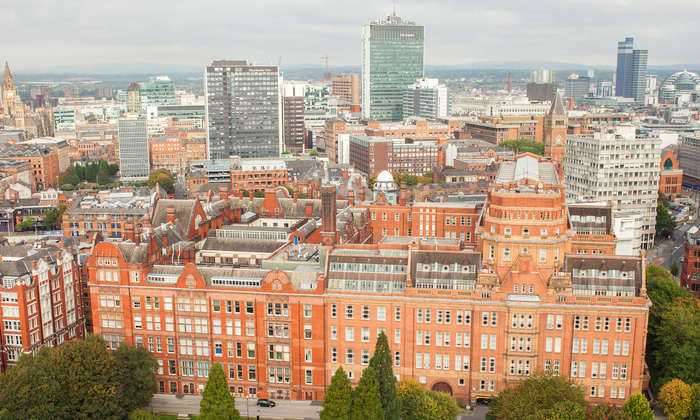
x: 189, y: 404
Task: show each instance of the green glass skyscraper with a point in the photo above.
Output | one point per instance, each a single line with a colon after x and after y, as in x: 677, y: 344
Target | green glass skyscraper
x: 392, y: 59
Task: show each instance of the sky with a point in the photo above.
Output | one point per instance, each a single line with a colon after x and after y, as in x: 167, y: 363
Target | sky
x: 53, y: 34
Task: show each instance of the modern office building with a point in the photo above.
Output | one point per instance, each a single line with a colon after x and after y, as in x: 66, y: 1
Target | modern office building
x: 678, y: 85
x: 689, y: 160
x: 542, y: 76
x: 631, y: 71
x: 427, y: 98
x: 243, y: 109
x: 346, y: 87
x: 576, y: 86
x: 134, y: 162
x: 157, y: 91
x: 541, y: 92
x: 372, y: 154
x: 392, y: 59
x: 620, y: 165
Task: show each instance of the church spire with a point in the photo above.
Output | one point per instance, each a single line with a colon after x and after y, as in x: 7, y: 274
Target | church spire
x: 557, y: 107
x: 7, y: 75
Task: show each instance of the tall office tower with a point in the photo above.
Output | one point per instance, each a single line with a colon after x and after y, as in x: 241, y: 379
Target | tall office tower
x: 542, y: 76
x: 623, y: 83
x: 428, y: 99
x: 293, y: 117
x: 620, y: 165
x: 392, y: 59
x: 631, y: 75
x: 133, y: 101
x: 243, y: 109
x: 133, y: 148
x: 639, y: 75
x: 346, y: 87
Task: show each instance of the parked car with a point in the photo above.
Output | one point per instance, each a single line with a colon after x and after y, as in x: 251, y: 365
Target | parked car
x: 264, y: 402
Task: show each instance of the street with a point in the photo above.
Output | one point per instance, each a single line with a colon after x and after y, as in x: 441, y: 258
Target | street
x: 664, y: 253
x: 189, y: 404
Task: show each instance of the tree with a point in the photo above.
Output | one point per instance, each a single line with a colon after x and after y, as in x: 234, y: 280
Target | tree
x: 417, y: 403
x: 313, y: 153
x: 676, y: 398
x: 637, y: 407
x: 217, y: 402
x: 139, y: 414
x: 69, y: 176
x: 52, y: 217
x: 563, y: 410
x: 674, y: 269
x: 163, y: 178
x: 665, y: 224
x: 445, y: 406
x: 382, y: 363
x: 338, y: 399
x: 102, y: 176
x: 695, y: 404
x: 138, y: 375
x: 535, y: 396
x: 366, y: 401
x: 26, y: 224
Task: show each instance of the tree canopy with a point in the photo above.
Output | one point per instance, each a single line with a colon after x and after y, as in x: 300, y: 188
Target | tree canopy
x: 664, y: 222
x: 673, y: 339
x: 417, y: 403
x: 637, y: 407
x: 536, y: 396
x: 366, y: 400
x: 524, y: 146
x: 338, y: 399
x: 217, y: 402
x: 163, y: 178
x: 99, y: 172
x: 382, y: 363
x: 52, y: 217
x: 676, y: 398
x: 79, y: 379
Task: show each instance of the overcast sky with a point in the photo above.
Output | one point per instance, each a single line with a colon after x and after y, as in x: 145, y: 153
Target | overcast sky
x: 49, y: 34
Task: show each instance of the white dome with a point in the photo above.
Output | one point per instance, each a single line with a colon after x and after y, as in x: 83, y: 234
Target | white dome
x: 385, y: 176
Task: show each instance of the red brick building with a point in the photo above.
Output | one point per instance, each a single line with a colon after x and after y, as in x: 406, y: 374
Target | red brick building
x: 690, y: 271
x: 43, y: 161
x: 671, y: 176
x: 41, y: 300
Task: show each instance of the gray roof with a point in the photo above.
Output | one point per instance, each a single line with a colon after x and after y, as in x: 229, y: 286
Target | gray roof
x: 526, y: 167
x: 557, y: 107
x: 241, y: 245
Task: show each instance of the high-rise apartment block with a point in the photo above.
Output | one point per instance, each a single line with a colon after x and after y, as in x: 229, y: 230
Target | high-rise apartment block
x: 293, y: 131
x: 243, y: 109
x: 134, y: 162
x: 428, y: 99
x: 346, y: 87
x: 392, y: 59
x: 631, y: 70
x: 620, y: 165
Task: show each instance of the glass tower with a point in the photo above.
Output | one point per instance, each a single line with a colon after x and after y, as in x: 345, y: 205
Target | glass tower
x: 631, y: 75
x: 243, y: 110
x: 392, y: 59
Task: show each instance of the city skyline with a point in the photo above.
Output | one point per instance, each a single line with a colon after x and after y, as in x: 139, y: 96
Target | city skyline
x: 187, y: 35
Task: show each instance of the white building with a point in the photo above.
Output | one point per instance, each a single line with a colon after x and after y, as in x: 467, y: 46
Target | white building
x: 427, y: 98
x: 542, y: 76
x: 620, y: 165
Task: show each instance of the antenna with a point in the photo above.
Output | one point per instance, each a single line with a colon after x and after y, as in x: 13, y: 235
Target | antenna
x: 327, y: 76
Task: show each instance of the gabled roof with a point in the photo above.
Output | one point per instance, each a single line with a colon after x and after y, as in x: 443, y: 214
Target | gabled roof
x: 184, y: 210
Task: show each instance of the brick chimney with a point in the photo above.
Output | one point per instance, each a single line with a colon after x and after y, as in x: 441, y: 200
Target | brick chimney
x: 328, y: 215
x: 309, y: 209
x: 403, y: 193
x: 170, y: 215
x: 295, y: 196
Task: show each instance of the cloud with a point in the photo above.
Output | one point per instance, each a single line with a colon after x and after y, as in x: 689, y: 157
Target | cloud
x: 42, y: 34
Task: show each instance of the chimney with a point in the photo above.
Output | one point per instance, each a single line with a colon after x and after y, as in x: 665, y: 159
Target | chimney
x: 309, y: 209
x: 403, y: 193
x: 361, y: 196
x: 251, y: 195
x: 223, y: 193
x: 328, y: 215
x: 351, y: 197
x: 295, y: 196
x: 170, y: 215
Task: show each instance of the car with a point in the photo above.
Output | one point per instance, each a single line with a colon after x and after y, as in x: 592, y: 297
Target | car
x: 264, y: 402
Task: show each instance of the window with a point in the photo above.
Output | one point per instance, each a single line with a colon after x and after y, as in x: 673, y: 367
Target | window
x: 485, y: 319
x: 349, y: 312
x: 397, y: 358
x: 307, y: 311
x: 381, y: 313
x: 349, y: 356
x: 349, y: 334
x: 543, y: 255
x: 307, y: 332
x: 308, y: 377
x: 308, y: 355
x: 334, y: 311
x: 365, y: 335
x: 560, y: 321
x: 550, y: 322
x: 334, y: 355
x: 365, y: 313
x: 364, y: 357
x: 506, y: 254
x: 494, y: 319
x: 492, y: 365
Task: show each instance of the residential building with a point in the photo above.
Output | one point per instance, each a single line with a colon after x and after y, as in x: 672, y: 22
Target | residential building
x: 133, y: 148
x: 618, y: 164
x: 293, y: 131
x: 372, y: 154
x: 392, y: 59
x: 243, y: 110
x: 57, y: 145
x: 427, y: 98
x: 41, y: 300
x: 346, y: 87
x: 690, y: 270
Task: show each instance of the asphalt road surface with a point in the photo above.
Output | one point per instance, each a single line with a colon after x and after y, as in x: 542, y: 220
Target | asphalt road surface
x: 189, y: 404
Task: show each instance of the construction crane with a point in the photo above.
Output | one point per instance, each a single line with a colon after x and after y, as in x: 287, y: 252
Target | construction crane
x: 327, y: 77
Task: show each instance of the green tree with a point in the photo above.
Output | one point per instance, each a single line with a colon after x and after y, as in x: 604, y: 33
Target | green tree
x: 26, y: 224
x: 163, y: 178
x: 102, y: 176
x: 445, y: 406
x: 69, y: 176
x: 382, y: 363
x: 366, y: 400
x: 412, y: 396
x: 676, y: 398
x: 52, y: 217
x: 637, y: 407
x: 138, y: 375
x: 338, y: 399
x: 664, y: 222
x: 217, y: 402
x: 534, y: 395
x: 674, y: 269
x: 562, y: 410
x: 313, y: 153
x: 524, y: 146
x: 139, y: 414
x: 695, y: 404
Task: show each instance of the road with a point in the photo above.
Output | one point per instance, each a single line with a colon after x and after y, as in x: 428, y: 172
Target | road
x: 665, y: 252
x: 189, y: 404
